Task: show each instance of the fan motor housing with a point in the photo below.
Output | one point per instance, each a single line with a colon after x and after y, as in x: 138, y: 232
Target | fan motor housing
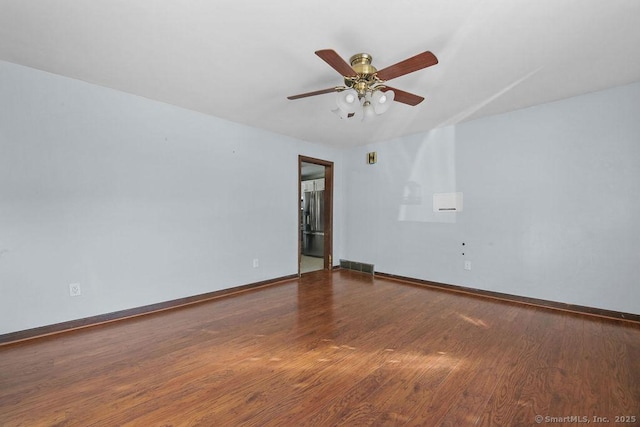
x: 361, y: 64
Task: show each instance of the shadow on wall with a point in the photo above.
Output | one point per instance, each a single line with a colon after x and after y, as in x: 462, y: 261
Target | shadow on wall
x: 434, y: 168
x: 433, y: 171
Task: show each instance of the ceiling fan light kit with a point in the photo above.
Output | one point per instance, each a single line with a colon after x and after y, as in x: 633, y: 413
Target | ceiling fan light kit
x: 365, y: 94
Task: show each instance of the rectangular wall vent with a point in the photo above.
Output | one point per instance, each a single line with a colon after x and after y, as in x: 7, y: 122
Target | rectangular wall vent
x: 447, y: 202
x: 357, y: 266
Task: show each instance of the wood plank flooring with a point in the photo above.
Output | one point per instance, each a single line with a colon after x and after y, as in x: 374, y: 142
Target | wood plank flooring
x: 330, y: 349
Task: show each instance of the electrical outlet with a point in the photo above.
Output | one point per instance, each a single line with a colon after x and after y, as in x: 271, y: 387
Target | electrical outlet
x: 256, y: 263
x: 74, y: 289
x: 467, y: 265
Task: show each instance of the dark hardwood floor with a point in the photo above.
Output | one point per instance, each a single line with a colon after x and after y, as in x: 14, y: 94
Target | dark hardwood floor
x: 330, y: 349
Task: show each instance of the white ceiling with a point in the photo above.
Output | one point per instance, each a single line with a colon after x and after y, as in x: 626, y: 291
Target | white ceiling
x: 240, y: 59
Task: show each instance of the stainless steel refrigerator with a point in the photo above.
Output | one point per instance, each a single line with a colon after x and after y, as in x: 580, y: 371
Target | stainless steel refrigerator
x: 313, y: 223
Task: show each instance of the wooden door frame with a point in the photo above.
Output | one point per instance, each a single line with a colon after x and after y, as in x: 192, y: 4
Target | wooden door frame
x: 328, y: 207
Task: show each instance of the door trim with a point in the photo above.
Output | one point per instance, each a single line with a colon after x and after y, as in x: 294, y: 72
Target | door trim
x: 328, y: 206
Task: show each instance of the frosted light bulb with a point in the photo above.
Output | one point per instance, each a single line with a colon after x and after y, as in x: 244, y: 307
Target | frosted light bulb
x: 349, y: 98
x: 382, y: 100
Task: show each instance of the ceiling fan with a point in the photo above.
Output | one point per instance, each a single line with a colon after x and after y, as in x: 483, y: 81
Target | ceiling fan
x: 364, y: 92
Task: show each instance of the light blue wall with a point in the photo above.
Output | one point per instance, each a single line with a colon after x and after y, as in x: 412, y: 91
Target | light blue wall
x: 551, y: 199
x: 139, y: 202
x: 142, y: 202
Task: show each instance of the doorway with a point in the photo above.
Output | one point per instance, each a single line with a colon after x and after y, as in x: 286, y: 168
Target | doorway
x: 315, y: 215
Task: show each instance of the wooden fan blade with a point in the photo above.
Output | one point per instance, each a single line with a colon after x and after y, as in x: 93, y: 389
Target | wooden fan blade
x: 405, y: 97
x: 415, y: 63
x: 336, y: 62
x: 317, y: 92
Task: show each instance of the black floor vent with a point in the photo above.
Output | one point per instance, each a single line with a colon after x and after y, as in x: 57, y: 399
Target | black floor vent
x: 356, y: 266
